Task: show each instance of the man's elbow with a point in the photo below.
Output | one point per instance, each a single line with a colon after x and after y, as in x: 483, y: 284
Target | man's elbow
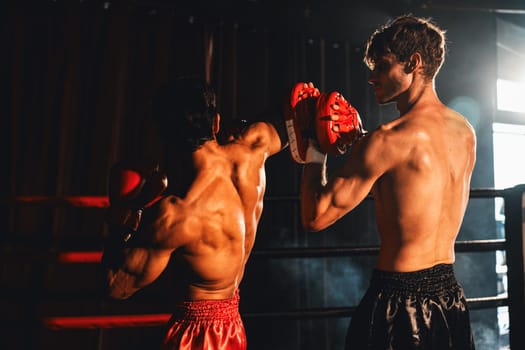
x: 312, y: 225
x: 116, y: 288
x: 119, y: 294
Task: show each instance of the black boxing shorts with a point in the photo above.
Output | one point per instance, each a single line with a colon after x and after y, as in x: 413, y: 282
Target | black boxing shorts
x: 424, y: 309
x: 206, y: 324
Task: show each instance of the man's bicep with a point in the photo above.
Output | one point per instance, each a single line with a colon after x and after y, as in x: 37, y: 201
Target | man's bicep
x: 139, y: 268
x: 156, y: 263
x: 124, y: 268
x: 370, y: 159
x: 349, y: 185
x: 346, y: 193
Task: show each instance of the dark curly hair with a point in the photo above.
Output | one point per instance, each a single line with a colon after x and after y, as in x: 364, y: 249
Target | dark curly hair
x: 404, y: 36
x: 184, y: 110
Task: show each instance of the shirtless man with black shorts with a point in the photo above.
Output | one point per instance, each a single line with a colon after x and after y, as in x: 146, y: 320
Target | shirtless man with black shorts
x: 418, y: 168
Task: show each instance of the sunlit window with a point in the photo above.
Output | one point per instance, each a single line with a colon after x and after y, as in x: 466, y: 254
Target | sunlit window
x: 509, y: 167
x: 510, y: 96
x: 509, y: 140
x: 509, y: 171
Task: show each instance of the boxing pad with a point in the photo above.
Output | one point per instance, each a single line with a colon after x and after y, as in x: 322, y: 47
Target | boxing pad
x: 299, y: 118
x: 327, y: 118
x: 337, y: 123
x: 132, y: 188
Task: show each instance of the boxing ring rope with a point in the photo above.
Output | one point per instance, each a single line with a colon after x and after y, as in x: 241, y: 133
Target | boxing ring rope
x: 160, y: 319
x: 67, y: 201
x: 91, y: 257
x: 512, y: 244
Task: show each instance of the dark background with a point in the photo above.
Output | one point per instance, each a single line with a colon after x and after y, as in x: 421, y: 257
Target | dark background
x: 75, y: 89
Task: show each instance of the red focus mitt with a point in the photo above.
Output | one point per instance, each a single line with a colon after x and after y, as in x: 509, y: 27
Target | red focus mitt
x: 337, y: 123
x: 299, y: 118
x: 132, y: 187
x: 326, y: 118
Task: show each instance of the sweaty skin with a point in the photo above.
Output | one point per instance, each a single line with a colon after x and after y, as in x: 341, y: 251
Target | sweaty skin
x: 418, y: 168
x: 207, y: 224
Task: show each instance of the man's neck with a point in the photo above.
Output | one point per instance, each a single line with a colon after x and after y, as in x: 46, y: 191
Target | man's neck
x: 420, y: 92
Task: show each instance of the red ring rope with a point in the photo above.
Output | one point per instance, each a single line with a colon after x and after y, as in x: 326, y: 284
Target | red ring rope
x: 106, y: 321
x: 80, y: 257
x: 75, y: 201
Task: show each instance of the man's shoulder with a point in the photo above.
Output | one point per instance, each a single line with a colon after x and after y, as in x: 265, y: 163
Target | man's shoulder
x: 392, y: 129
x: 398, y: 137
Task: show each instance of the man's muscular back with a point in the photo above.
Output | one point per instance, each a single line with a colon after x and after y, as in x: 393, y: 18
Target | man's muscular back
x: 421, y: 198
x: 210, y: 230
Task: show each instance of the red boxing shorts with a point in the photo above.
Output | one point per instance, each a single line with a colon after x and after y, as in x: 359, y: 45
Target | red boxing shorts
x: 418, y: 310
x: 206, y: 324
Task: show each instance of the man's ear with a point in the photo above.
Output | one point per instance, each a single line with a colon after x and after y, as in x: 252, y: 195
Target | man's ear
x: 414, y: 62
x: 216, y: 123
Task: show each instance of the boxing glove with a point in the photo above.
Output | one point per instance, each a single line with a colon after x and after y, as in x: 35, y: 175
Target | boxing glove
x: 132, y: 188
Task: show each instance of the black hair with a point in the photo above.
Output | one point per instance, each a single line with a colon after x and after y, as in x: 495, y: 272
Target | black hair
x: 184, y: 110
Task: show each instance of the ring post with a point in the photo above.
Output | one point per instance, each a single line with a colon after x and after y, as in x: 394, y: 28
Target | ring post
x: 514, y: 234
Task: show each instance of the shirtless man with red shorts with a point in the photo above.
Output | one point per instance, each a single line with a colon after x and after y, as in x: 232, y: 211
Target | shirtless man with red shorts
x: 201, y: 216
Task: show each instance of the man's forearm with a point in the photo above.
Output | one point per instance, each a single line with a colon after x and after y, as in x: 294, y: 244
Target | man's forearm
x: 312, y: 183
